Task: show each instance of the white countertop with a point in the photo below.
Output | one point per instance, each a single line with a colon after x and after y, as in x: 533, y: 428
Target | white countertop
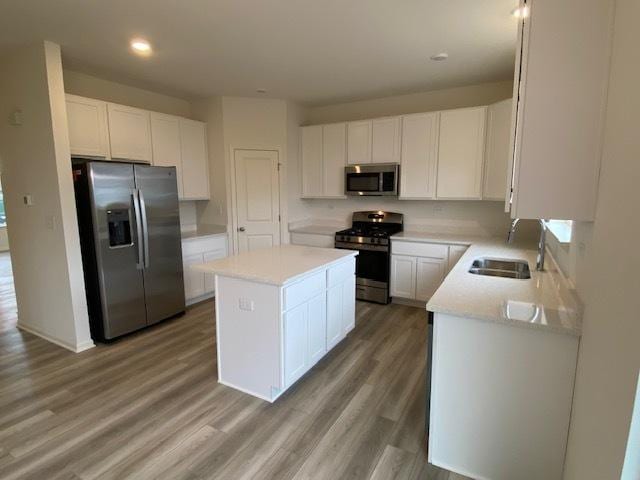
x: 431, y: 237
x: 329, y: 230
x: 276, y: 265
x: 205, y: 231
x: 483, y: 297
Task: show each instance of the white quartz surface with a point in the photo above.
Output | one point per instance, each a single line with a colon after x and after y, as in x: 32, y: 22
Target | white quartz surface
x: 433, y: 237
x: 317, y: 229
x: 205, y: 231
x: 548, y: 294
x: 276, y: 265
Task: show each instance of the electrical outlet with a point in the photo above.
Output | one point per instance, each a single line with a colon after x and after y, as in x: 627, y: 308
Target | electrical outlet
x: 246, y: 304
x: 438, y: 208
x: 28, y: 200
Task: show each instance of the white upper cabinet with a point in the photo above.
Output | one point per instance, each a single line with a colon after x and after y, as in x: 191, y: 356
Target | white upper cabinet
x: 385, y: 140
x: 461, y: 153
x: 88, y: 132
x: 359, y: 142
x: 311, y: 152
x: 195, y: 160
x: 497, y: 150
x: 334, y: 159
x: 419, y: 156
x: 166, y: 144
x: 323, y: 151
x: 129, y: 133
x: 561, y: 78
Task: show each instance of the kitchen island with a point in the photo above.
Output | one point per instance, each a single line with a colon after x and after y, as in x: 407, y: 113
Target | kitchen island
x: 278, y: 311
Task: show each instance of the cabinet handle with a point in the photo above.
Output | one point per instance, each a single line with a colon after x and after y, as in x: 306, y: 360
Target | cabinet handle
x: 241, y: 229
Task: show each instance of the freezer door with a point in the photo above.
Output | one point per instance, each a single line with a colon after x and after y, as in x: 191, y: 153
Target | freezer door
x: 119, y: 267
x: 163, y: 280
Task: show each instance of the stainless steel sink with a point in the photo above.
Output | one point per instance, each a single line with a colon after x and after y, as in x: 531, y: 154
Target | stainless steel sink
x: 494, y: 267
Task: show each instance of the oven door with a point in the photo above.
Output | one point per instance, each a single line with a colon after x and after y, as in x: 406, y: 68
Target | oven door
x: 372, y: 271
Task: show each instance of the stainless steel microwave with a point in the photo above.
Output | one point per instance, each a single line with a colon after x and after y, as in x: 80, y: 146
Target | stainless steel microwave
x: 371, y: 179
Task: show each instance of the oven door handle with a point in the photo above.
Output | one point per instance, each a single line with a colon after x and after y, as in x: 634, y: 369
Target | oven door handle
x: 362, y: 246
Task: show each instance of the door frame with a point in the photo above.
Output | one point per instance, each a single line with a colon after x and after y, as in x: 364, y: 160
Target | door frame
x: 232, y: 206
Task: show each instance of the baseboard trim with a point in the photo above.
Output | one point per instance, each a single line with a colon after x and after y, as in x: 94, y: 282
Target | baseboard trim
x: 81, y: 347
x: 192, y: 301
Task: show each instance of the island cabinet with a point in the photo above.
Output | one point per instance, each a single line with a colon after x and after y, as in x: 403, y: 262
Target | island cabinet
x: 271, y: 329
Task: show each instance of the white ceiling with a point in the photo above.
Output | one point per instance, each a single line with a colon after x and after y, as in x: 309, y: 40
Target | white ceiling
x: 315, y: 52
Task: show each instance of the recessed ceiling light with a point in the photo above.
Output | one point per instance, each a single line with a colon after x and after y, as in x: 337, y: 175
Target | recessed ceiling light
x: 140, y: 46
x: 261, y: 90
x: 520, y: 12
x: 439, y: 57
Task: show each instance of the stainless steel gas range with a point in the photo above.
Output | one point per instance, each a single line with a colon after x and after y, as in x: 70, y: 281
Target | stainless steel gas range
x: 369, y: 234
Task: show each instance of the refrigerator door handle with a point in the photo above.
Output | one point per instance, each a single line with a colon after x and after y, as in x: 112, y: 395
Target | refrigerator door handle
x: 136, y: 210
x: 145, y: 228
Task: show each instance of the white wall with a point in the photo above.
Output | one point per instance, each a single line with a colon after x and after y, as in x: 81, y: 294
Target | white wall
x: 239, y: 122
x: 609, y: 358
x: 93, y: 87
x: 470, y: 96
x: 47, y: 263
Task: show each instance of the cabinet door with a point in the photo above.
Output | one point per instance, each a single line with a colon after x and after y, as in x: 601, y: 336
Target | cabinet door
x: 335, y: 330
x: 359, y: 142
x: 193, y: 279
x: 88, y: 132
x: 129, y: 133
x: 166, y: 144
x: 209, y: 278
x: 317, y: 328
x: 334, y: 159
x: 419, y: 155
x: 461, y: 153
x: 455, y: 253
x: 385, y: 140
x: 429, y: 275
x: 403, y: 276
x: 311, y: 151
x: 348, y: 304
x: 497, y: 150
x: 561, y: 111
x: 295, y: 343
x: 195, y: 159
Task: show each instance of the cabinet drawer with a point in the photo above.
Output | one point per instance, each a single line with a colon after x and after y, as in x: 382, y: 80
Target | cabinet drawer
x: 431, y: 250
x: 341, y: 272
x: 304, y: 290
x: 193, y: 246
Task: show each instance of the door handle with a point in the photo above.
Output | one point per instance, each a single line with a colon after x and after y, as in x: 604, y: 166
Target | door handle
x: 241, y: 229
x: 136, y: 211
x: 145, y: 228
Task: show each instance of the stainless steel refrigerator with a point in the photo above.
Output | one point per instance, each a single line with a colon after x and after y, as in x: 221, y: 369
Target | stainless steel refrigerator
x: 129, y: 223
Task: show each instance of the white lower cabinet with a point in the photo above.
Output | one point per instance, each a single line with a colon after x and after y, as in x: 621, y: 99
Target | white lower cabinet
x: 317, y: 324
x: 403, y: 276
x: 429, y: 275
x: 320, y: 311
x: 418, y: 268
x: 199, y: 285
x: 296, y: 353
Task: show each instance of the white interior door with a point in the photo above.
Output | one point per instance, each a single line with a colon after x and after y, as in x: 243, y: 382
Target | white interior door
x: 257, y: 199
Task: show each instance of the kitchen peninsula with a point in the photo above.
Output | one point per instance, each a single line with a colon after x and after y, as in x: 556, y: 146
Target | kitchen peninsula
x: 278, y: 311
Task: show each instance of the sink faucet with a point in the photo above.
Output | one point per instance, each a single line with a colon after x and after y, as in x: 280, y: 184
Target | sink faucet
x: 541, y: 242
